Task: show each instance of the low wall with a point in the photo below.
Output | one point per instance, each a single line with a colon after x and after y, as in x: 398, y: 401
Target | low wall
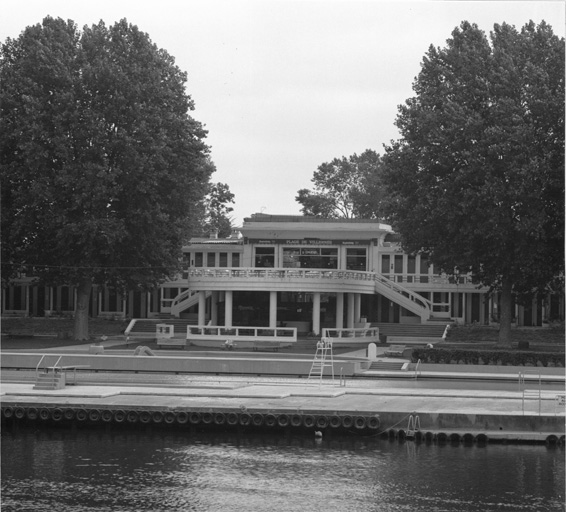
x: 250, y: 364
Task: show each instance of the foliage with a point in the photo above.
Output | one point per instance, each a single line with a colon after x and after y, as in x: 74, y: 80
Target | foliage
x: 216, y: 209
x: 100, y: 158
x: 477, y: 179
x: 345, y: 188
x: 486, y: 357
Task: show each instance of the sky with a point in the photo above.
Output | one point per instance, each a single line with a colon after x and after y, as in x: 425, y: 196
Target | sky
x: 283, y: 86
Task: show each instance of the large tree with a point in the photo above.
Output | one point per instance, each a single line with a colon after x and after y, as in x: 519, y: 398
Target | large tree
x: 101, y: 160
x: 345, y: 188
x: 477, y: 177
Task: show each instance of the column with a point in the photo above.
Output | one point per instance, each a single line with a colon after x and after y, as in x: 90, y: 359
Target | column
x: 316, y: 313
x: 350, y: 312
x: 339, y: 310
x: 357, y: 307
x: 228, y: 306
x: 201, y: 308
x: 214, y: 309
x: 272, y: 310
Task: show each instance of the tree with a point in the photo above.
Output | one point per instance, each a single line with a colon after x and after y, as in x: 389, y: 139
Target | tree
x: 345, y: 188
x: 100, y: 159
x: 477, y: 178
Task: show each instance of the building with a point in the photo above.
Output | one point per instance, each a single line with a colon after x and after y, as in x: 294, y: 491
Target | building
x: 295, y: 271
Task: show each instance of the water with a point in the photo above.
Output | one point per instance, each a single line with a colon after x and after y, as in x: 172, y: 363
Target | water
x: 101, y: 470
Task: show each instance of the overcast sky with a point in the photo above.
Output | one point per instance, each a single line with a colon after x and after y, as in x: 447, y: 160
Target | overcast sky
x: 285, y: 85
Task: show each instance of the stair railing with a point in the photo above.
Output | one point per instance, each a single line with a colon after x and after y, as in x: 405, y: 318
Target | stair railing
x: 417, y: 370
x: 37, y: 367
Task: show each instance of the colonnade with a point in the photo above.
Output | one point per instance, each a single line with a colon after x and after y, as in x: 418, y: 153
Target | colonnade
x: 354, y: 301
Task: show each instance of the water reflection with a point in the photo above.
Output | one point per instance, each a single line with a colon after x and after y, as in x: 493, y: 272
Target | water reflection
x: 123, y: 471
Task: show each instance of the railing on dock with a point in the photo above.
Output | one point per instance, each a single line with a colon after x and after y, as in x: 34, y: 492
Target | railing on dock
x: 534, y: 393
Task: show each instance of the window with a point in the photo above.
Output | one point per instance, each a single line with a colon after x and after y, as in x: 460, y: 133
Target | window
x: 265, y: 256
x: 235, y: 259
x: 356, y: 259
x: 310, y: 257
x: 211, y: 259
x: 223, y: 260
x: 198, y: 259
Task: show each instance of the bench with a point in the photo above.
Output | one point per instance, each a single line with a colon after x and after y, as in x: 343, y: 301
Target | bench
x: 266, y: 345
x: 395, y: 350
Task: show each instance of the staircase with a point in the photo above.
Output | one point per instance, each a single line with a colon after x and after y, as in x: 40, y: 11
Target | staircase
x: 184, y: 301
x: 406, y: 298
x: 388, y: 366
x: 49, y: 381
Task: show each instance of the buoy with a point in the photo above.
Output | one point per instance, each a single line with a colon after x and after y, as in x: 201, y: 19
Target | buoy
x: 360, y: 422
x: 232, y: 418
x: 335, y: 422
x: 322, y: 422
x: 57, y: 415
x: 31, y: 413
x: 132, y: 417
x: 318, y: 433
x: 257, y: 420
x: 219, y: 418
x: 195, y: 418
x: 270, y: 420
x: 119, y: 416
x: 44, y: 414
x: 347, y: 421
x: 283, y: 420
x: 244, y: 419
x: 373, y: 422
x: 455, y: 438
x: 169, y: 418
x: 552, y: 439
x: 157, y: 417
x: 69, y: 414
x: 468, y: 438
x: 481, y: 439
x: 7, y: 412
x: 207, y: 418
x: 19, y: 413
x: 309, y: 421
x: 181, y: 417
x: 296, y: 420
x: 81, y: 415
x: 94, y: 415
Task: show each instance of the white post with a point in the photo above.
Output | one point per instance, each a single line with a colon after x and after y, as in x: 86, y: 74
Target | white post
x: 228, y: 306
x: 214, y: 309
x: 357, y: 307
x: 350, y: 317
x: 201, y: 307
x: 272, y: 310
x: 316, y: 313
x: 339, y: 310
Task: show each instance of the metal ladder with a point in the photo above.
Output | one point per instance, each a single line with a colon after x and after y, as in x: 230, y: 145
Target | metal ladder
x: 533, y: 393
x: 323, y: 358
x: 413, y: 426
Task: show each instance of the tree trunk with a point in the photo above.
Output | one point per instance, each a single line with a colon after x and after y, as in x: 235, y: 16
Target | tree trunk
x: 505, y: 313
x: 81, y: 310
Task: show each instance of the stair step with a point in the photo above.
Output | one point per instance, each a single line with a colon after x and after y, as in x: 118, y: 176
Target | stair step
x: 386, y: 365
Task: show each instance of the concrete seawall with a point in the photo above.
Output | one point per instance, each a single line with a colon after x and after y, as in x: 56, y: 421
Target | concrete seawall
x: 429, y: 415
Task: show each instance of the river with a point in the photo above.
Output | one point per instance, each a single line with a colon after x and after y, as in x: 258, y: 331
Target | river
x: 104, y: 470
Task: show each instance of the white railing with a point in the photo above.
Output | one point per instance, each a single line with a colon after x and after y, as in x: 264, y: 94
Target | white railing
x: 280, y: 273
x: 216, y: 332
x: 408, y: 294
x: 371, y: 332
x: 407, y: 298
